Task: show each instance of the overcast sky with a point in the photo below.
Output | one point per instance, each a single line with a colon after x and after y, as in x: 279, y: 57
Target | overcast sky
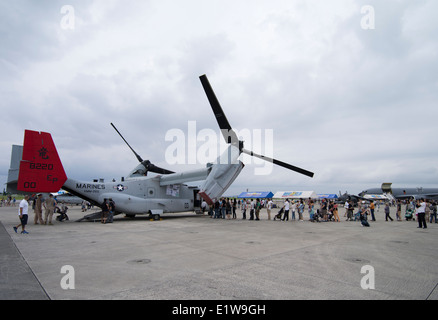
x: 349, y: 89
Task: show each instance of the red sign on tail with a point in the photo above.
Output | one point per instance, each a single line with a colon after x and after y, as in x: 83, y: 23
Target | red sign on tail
x: 41, y: 169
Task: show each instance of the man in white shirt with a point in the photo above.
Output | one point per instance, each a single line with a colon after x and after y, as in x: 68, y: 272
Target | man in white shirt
x: 23, y: 212
x: 421, y: 211
x: 346, y: 206
x: 286, y: 210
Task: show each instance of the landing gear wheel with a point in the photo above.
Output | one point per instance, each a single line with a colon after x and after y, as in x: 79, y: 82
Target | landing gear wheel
x: 156, y: 217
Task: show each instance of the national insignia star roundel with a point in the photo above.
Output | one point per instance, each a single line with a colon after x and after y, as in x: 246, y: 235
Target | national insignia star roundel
x: 120, y: 187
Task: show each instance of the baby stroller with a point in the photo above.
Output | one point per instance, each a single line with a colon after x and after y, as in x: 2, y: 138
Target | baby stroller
x: 409, y: 214
x: 63, y: 214
x: 314, y: 216
x: 329, y: 216
x: 278, y: 215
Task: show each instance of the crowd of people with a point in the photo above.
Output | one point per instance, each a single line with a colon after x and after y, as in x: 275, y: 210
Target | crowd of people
x: 9, y: 201
x: 226, y: 208
x: 50, y: 206
x: 420, y: 210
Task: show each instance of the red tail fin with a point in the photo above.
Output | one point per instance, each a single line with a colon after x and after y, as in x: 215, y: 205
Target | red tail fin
x: 41, y: 169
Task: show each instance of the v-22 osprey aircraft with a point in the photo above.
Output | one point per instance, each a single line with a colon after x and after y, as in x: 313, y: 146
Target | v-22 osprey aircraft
x: 41, y: 171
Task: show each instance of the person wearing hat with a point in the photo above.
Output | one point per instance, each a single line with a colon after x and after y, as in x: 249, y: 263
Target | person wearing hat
x: 38, y: 210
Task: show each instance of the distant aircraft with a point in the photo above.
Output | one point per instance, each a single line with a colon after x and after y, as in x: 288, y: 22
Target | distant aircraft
x: 67, y: 198
x: 402, y: 193
x: 342, y: 198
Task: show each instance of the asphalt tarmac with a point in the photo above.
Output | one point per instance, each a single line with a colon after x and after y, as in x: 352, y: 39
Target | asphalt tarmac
x: 188, y: 256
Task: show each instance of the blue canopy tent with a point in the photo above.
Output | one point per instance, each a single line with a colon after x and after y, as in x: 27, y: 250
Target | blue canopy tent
x: 257, y: 194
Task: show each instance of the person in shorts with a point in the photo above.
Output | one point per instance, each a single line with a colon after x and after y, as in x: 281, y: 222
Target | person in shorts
x: 23, y: 212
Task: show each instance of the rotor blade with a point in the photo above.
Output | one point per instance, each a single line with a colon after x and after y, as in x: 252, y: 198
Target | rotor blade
x: 153, y: 168
x: 228, y: 132
x: 279, y: 163
x: 138, y: 157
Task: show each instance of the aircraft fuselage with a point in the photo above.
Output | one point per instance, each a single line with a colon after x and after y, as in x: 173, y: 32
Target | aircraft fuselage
x: 427, y: 193
x: 137, y: 195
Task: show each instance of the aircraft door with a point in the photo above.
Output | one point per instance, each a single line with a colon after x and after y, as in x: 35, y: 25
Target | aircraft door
x: 196, y: 199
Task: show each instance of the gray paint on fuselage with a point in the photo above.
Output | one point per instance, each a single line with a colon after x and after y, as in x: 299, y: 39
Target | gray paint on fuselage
x: 135, y: 195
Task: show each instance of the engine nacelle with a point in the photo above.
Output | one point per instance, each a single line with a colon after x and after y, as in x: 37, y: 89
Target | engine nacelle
x: 222, y: 175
